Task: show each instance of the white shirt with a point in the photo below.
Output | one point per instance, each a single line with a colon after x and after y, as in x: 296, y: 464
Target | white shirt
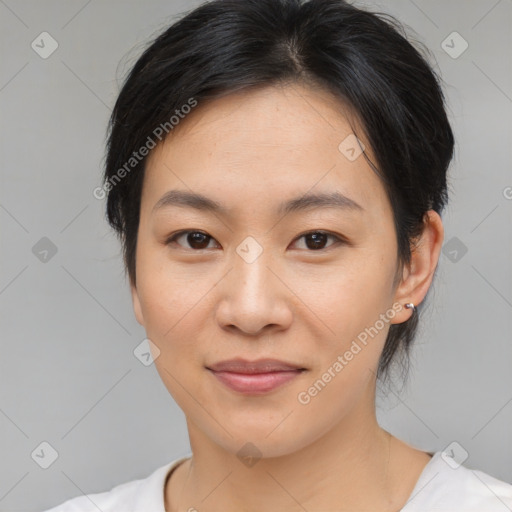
x: 440, y: 488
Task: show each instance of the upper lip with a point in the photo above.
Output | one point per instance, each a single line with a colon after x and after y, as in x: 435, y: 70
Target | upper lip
x: 240, y: 365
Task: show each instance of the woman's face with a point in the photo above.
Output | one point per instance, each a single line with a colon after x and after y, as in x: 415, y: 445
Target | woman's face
x: 253, y: 283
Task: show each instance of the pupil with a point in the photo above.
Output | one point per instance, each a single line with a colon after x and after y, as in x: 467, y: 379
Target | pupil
x: 317, y: 238
x: 195, y: 239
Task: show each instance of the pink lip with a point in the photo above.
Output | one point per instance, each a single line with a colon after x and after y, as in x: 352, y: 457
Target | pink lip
x: 255, y: 377
x: 257, y: 382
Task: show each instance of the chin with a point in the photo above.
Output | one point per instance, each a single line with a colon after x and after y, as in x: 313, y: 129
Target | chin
x: 260, y: 441
x: 251, y: 449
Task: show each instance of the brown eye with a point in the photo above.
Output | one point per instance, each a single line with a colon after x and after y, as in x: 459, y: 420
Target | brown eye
x: 195, y: 239
x: 317, y: 240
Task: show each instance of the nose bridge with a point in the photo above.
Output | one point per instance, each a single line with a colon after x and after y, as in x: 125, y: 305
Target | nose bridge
x: 252, y: 277
x: 253, y: 298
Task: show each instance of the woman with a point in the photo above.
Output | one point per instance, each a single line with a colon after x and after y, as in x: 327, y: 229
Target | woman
x: 276, y: 171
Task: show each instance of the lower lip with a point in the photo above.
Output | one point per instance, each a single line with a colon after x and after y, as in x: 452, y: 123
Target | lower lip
x: 255, y: 383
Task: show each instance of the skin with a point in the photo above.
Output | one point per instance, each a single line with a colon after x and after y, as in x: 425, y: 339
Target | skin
x: 250, y: 151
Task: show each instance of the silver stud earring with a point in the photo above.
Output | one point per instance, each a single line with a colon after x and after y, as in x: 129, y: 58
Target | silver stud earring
x: 410, y: 305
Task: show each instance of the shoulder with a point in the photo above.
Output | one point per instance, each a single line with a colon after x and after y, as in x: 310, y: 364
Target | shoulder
x: 145, y: 494
x: 445, y: 486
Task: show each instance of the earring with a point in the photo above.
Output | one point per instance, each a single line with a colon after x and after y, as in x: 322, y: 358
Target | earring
x: 410, y: 305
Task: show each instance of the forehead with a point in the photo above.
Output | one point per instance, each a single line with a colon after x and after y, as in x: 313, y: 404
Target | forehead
x: 281, y: 116
x: 260, y: 144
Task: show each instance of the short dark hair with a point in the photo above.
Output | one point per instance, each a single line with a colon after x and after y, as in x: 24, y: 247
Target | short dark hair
x: 364, y: 58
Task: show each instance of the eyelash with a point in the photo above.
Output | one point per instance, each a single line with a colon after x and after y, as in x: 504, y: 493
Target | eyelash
x: 338, y: 239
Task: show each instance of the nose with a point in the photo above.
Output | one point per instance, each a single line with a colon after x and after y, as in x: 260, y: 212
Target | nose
x: 253, y: 297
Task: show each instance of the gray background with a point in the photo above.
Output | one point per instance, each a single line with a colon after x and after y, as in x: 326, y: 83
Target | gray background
x: 68, y: 372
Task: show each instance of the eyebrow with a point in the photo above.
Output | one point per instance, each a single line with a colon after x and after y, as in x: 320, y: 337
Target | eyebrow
x: 186, y: 199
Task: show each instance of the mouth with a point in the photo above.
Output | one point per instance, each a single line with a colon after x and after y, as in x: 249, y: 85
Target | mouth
x: 255, y: 377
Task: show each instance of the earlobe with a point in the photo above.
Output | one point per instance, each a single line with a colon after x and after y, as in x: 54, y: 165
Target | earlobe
x: 136, y: 305
x: 418, y: 275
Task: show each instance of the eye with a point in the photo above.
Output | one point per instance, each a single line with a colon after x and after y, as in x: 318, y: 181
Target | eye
x: 316, y: 240
x: 196, y: 239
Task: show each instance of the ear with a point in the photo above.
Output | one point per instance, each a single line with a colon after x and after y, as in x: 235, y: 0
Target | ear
x: 417, y: 277
x: 136, y: 305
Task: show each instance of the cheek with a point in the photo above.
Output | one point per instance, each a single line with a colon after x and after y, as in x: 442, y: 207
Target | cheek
x: 168, y: 293
x: 351, y: 303
x: 170, y: 308
x: 349, y: 295
x: 348, y: 352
